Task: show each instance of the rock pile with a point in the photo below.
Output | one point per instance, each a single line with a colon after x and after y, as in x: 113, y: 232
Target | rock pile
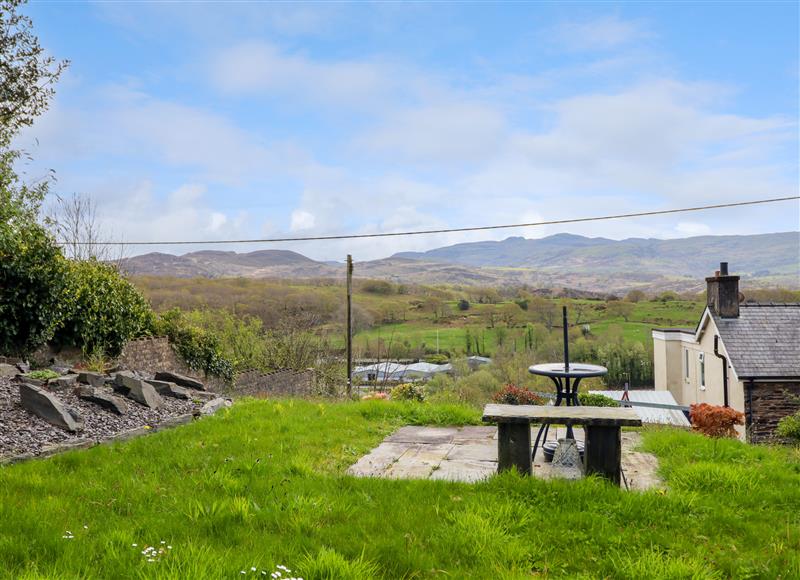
x: 80, y: 406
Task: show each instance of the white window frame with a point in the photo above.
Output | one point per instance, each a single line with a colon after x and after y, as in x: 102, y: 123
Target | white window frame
x: 701, y: 358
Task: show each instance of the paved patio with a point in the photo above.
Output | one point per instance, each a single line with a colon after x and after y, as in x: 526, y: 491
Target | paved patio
x: 469, y: 454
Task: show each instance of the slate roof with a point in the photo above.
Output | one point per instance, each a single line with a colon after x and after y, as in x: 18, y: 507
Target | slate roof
x: 764, y: 341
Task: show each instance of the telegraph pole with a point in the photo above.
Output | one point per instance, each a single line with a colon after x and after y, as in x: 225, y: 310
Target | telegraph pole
x: 349, y: 338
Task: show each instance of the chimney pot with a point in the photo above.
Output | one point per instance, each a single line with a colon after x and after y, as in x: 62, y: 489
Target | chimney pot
x: 723, y: 268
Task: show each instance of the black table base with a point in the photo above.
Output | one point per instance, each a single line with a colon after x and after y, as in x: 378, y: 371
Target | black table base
x: 566, y: 392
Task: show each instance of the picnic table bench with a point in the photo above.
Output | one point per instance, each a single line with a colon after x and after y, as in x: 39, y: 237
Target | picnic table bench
x: 602, y: 445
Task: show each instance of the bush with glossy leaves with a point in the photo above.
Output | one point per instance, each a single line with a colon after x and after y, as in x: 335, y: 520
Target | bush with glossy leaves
x: 106, y: 310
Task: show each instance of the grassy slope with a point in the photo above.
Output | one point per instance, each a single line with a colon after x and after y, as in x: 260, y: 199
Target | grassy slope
x: 421, y: 329
x: 262, y: 484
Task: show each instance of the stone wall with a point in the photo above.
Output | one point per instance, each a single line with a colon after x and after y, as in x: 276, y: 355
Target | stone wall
x: 767, y: 404
x: 150, y: 355
x: 283, y: 383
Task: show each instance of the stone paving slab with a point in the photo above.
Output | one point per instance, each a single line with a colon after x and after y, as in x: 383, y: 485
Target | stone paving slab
x: 378, y: 460
x: 423, y: 435
x: 469, y: 454
x: 474, y: 452
x: 464, y: 470
x: 474, y: 434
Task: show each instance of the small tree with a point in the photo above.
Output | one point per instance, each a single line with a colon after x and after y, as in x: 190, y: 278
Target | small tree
x: 635, y: 296
x: 463, y: 304
x: 620, y: 309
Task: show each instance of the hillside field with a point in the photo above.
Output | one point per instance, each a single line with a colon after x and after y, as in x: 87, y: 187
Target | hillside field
x: 411, y: 316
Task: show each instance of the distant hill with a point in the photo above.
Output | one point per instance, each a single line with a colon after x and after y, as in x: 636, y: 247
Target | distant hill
x: 559, y: 261
x: 214, y: 264
x: 755, y: 255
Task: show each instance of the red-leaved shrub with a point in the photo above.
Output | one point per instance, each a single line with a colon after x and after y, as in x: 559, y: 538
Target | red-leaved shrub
x: 715, y: 420
x: 513, y: 395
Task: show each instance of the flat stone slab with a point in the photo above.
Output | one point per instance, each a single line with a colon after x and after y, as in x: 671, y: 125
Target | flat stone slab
x: 180, y: 380
x: 469, y: 454
x: 48, y: 407
x: 466, y: 470
x: 423, y: 435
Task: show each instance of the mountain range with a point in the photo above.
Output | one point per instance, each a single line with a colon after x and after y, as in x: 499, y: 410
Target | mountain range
x: 561, y: 260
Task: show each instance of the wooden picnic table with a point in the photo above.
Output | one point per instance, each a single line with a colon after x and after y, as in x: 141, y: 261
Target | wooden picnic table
x: 603, y: 440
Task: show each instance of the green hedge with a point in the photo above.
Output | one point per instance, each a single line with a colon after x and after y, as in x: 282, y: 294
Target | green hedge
x: 199, y: 349
x: 106, y: 310
x: 33, y: 278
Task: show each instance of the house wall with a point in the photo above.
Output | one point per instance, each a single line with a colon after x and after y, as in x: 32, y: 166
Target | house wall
x: 667, y: 367
x: 768, y: 403
x: 670, y: 371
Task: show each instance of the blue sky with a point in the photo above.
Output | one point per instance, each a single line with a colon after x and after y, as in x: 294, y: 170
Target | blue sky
x: 219, y: 120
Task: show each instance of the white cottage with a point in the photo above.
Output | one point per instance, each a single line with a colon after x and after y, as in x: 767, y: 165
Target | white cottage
x: 746, y: 356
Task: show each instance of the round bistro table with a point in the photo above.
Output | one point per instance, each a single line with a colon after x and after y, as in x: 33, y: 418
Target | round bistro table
x: 566, y: 379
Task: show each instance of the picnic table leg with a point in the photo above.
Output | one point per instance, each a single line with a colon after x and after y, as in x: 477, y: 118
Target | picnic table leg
x: 603, y: 452
x: 514, y: 447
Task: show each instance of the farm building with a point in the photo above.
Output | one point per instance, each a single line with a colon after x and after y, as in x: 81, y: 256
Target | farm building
x: 392, y: 371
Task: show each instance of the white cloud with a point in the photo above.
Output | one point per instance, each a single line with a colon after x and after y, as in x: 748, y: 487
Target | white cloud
x: 603, y: 33
x: 302, y: 220
x: 447, y: 132
x: 218, y: 220
x: 692, y: 229
x: 138, y: 211
x: 257, y: 68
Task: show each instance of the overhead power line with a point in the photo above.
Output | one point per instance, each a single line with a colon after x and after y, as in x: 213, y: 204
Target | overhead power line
x: 453, y: 230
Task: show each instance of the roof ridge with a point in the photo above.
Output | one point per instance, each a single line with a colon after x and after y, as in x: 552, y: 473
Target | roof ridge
x: 770, y: 304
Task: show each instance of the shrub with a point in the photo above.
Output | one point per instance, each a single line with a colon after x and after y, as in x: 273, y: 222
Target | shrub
x: 380, y: 287
x: 463, y: 304
x: 198, y: 348
x: 789, y: 427
x: 475, y: 388
x: 43, y: 375
x: 106, y: 310
x: 437, y: 359
x: 375, y: 396
x: 715, y: 420
x: 596, y: 400
x: 513, y: 395
x: 408, y: 392
x: 33, y: 276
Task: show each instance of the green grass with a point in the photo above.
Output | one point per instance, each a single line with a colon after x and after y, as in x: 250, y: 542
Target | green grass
x: 262, y: 484
x: 421, y: 329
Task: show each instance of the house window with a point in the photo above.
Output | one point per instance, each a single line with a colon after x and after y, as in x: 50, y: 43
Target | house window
x: 702, y: 358
x: 686, y: 364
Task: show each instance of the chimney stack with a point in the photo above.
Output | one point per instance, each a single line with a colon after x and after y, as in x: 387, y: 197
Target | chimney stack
x: 722, y: 295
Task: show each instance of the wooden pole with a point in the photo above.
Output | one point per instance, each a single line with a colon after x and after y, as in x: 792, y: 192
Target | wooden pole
x: 349, y: 338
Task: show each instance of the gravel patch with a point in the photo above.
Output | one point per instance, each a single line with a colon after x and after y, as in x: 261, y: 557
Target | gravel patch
x: 23, y: 432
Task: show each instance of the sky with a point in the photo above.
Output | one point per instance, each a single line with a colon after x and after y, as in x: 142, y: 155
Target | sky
x: 206, y: 121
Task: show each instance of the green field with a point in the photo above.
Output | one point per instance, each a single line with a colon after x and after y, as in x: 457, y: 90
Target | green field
x: 263, y: 485
x: 421, y: 329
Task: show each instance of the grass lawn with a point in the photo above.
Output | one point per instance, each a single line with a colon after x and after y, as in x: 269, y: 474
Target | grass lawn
x: 262, y: 484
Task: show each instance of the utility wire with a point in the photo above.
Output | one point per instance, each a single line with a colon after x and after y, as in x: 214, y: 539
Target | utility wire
x: 450, y: 230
